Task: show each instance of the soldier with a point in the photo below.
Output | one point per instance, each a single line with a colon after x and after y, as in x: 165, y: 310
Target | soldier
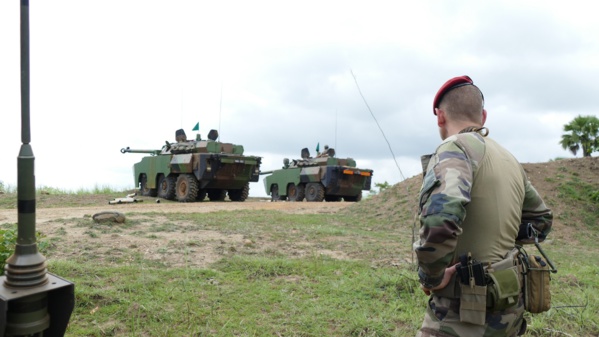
x: 180, y: 136
x: 324, y: 153
x: 474, y: 197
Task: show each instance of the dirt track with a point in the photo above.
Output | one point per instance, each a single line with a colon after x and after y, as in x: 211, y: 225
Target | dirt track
x: 180, y: 246
x: 49, y: 214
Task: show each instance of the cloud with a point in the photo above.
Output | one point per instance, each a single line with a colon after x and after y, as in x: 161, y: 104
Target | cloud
x: 277, y: 77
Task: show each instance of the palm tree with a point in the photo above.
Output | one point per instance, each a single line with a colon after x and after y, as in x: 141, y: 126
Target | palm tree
x: 583, y: 133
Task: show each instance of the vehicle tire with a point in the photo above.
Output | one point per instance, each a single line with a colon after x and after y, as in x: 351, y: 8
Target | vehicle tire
x: 201, y: 195
x: 166, y: 187
x: 301, y: 192
x: 187, y: 187
x: 354, y: 198
x: 143, y: 187
x: 296, y: 192
x: 332, y: 198
x: 217, y: 194
x: 314, y: 192
x: 274, y: 193
x: 240, y: 194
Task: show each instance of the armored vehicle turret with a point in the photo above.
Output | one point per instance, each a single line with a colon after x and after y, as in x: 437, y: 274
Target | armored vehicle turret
x: 190, y: 170
x: 323, y: 177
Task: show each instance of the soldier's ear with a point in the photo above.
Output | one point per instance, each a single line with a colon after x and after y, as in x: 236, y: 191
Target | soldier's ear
x: 440, y: 117
x: 484, y: 117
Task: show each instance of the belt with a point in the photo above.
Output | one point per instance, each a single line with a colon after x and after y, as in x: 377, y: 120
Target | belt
x: 452, y: 290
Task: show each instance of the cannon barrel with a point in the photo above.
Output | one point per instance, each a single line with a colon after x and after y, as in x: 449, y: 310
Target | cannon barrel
x: 266, y: 172
x: 129, y: 150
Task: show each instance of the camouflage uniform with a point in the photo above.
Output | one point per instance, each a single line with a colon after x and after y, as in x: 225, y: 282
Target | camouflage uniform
x: 471, y: 175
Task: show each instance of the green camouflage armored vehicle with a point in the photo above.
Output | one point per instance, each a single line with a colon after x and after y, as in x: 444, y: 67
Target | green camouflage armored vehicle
x: 191, y: 170
x: 316, y: 179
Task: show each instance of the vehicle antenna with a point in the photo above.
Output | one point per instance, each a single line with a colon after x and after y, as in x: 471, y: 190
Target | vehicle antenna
x: 181, y: 108
x: 336, y: 129
x: 220, y: 108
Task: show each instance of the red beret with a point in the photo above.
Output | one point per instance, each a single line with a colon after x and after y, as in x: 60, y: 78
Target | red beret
x: 448, y: 86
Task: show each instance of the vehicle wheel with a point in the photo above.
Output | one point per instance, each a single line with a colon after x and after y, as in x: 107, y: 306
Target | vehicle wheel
x: 166, y: 187
x: 201, y: 195
x: 354, y: 198
x: 314, y: 192
x: 143, y: 187
x: 187, y: 187
x: 296, y: 192
x: 332, y: 198
x: 301, y: 192
x: 274, y: 193
x: 216, y: 194
x: 240, y: 194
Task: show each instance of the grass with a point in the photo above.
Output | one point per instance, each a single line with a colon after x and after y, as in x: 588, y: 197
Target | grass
x: 281, y: 296
x: 243, y: 296
x: 48, y: 197
x: 104, y: 189
x: 582, y: 196
x: 269, y: 291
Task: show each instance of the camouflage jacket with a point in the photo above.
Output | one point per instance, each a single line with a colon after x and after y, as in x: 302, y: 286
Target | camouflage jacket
x: 472, y: 175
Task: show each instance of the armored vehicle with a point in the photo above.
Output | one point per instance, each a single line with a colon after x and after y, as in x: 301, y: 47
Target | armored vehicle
x: 189, y: 170
x: 324, y: 177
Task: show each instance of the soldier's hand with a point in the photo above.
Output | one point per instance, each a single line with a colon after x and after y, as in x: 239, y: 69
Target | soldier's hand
x: 446, y: 278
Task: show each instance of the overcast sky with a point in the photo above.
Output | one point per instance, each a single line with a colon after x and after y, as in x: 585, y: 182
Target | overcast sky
x: 276, y: 76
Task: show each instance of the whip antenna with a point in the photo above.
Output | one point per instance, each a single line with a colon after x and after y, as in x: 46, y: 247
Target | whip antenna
x: 392, y: 154
x: 220, y: 108
x: 377, y: 124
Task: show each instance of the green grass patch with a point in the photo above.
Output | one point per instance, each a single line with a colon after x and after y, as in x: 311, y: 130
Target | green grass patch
x: 271, y: 296
x: 315, y: 296
x: 584, y: 195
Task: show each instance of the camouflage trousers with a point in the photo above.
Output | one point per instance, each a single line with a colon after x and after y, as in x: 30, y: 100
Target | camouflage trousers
x: 442, y: 319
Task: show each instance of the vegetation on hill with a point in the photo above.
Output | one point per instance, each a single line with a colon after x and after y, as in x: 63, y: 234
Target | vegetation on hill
x: 570, y: 187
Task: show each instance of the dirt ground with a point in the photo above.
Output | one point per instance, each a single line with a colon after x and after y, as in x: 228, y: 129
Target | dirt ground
x: 145, y: 234
x: 148, y: 205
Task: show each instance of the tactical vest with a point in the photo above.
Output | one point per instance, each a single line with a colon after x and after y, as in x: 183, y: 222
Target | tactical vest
x: 494, y: 212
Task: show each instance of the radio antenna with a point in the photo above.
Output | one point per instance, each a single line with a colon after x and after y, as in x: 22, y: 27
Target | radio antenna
x: 33, y: 302
x: 220, y: 108
x: 336, y: 129
x: 377, y: 124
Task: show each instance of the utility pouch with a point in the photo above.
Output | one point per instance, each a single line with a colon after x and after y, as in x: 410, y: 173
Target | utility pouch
x: 536, y: 272
x: 537, y: 294
x: 503, y: 289
x: 473, y: 304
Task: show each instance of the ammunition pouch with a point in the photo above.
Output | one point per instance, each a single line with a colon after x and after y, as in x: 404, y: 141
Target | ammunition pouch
x: 473, y: 290
x: 473, y: 300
